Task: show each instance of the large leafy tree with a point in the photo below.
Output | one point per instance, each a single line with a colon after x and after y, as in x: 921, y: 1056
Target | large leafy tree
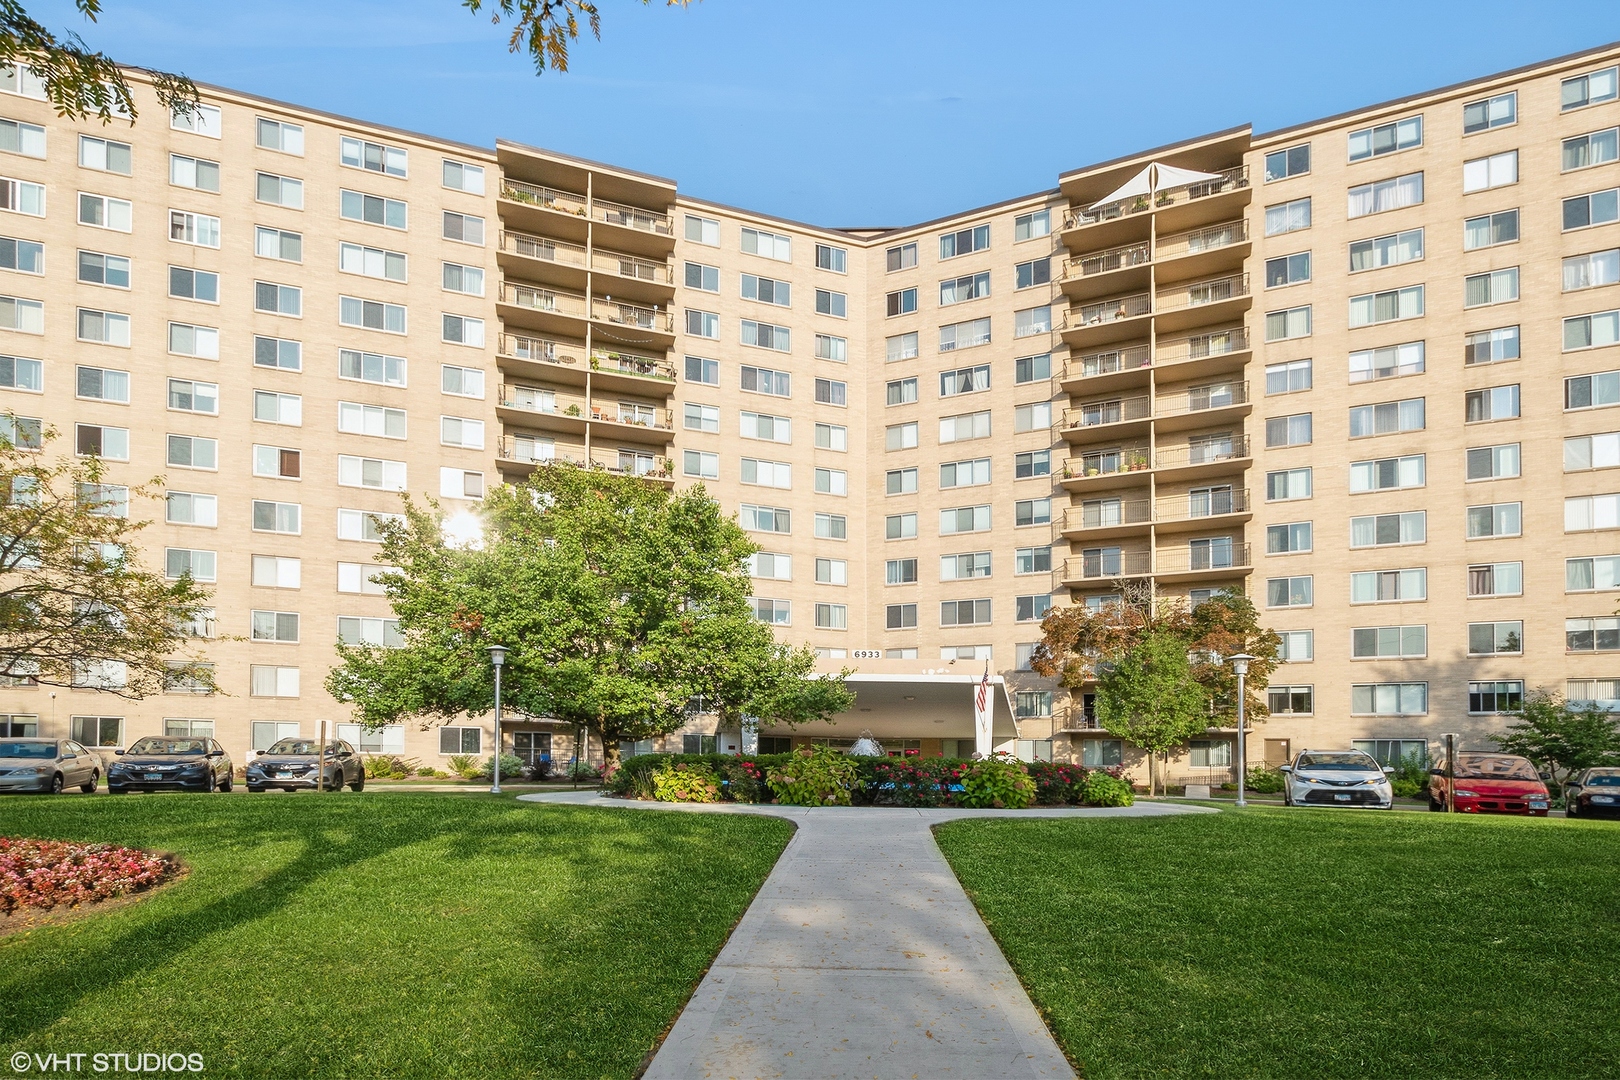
x: 1149, y: 698
x: 620, y: 602
x: 77, y: 607
x: 1560, y: 738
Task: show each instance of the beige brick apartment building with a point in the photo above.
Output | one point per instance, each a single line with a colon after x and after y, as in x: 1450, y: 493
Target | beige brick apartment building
x: 1296, y: 363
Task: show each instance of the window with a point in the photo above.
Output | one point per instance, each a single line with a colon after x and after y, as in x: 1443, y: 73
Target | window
x: 900, y: 527
x: 1033, y: 417
x: 200, y: 564
x: 1288, y: 217
x: 1389, y: 642
x: 833, y: 348
x: 274, y: 572
x: 1288, y: 270
x: 964, y: 519
x: 465, y: 228
x: 1389, y: 699
x: 104, y: 155
x: 1496, y: 287
x: 1288, y: 539
x: 186, y: 508
x: 186, y: 395
x: 1384, y: 195
x: 900, y: 616
x: 1389, y: 586
x: 1388, y: 306
x: 903, y: 302
x: 462, y: 330
x: 1502, y: 696
x: 1027, y: 275
x: 1588, y: 89
x: 699, y: 370
x: 760, y: 380
x: 359, y: 631
x: 1032, y: 512
x: 1288, y: 430
x: 278, y: 626
x: 1591, y: 331
x: 1501, y: 462
x: 832, y: 392
x: 1032, y: 463
x: 765, y: 564
x: 28, y: 317
x: 1288, y: 484
x: 389, y: 739
x: 371, y: 314
x: 705, y: 466
x: 459, y: 176
x: 702, y: 417
x: 1498, y: 111
x: 1294, y: 161
x: 962, y: 242
x: 275, y: 408
x: 188, y: 284
x: 1387, y: 474
x: 765, y: 335
x: 373, y: 157
x: 1589, y: 512
x: 964, y: 427
x: 832, y: 437
x: 21, y: 373
x: 1504, y: 578
x: 199, y: 230
x: 1385, y: 530
x: 203, y: 343
x: 1580, y: 635
x: 831, y: 482
x: 832, y: 572
x: 455, y: 740
x: 103, y: 500
x: 17, y: 137
x: 23, y: 197
x: 900, y: 482
x: 25, y: 256
x: 700, y: 276
x: 1386, y: 418
x: 1495, y: 171
x: 104, y: 212
x: 835, y: 304
x: 103, y: 327
x: 366, y: 261
x: 364, y: 525
x: 95, y: 440
x: 1028, y: 704
x: 1498, y: 638
x: 901, y: 347
x: 193, y: 452
x: 1490, y: 346
x: 1386, y: 138
x: 456, y: 431
x: 1495, y: 403
x: 831, y: 258
x: 777, y: 474
x: 954, y: 474
x: 766, y: 518
x: 190, y: 172
x: 702, y: 230
x: 1030, y: 226
x: 277, y: 517
x: 275, y: 299
x: 900, y: 572
x: 1496, y: 519
x: 1290, y: 700
x: 770, y: 245
x: 1598, y: 208
x: 766, y: 290
x: 959, y: 290
x: 1391, y: 250
x: 24, y: 82
x: 966, y: 380
x: 1296, y: 646
x: 903, y: 257
x: 1028, y: 322
x: 964, y: 612
x: 376, y: 473
x: 900, y: 392
x: 964, y: 335
x: 1031, y: 608
x: 1288, y: 378
x: 98, y: 730
x: 1596, y: 148
x: 1292, y: 323
x: 371, y: 367
x: 831, y: 527
x: 461, y: 381
x: 1591, y: 271
x: 832, y: 617
x: 102, y: 384
x: 372, y: 209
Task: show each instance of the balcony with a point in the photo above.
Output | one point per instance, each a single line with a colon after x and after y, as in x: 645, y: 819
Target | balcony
x: 633, y: 422
x: 538, y: 406
x: 547, y: 310
x: 1099, y: 519
x: 1211, y: 353
x: 1202, y: 406
x: 1179, y: 208
x: 544, y: 210
x: 1197, y: 562
x: 1105, y: 564
x: 1117, y: 466
x: 520, y: 454
x: 565, y: 264
x: 1115, y: 319
x: 628, y: 371
x: 1107, y: 419
x: 1113, y: 270
x: 1189, y: 304
x: 633, y: 322
x: 546, y: 359
x: 631, y: 228
x: 1094, y: 371
x: 1195, y: 460
x: 1205, y: 508
x: 1205, y: 251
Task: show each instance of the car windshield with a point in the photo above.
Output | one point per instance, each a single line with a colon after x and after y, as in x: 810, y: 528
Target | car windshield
x: 153, y: 745
x: 295, y: 746
x: 1595, y: 780
x: 1494, y: 767
x: 1343, y: 760
x: 45, y: 750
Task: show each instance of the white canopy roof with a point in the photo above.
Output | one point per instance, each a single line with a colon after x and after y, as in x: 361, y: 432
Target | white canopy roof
x: 1155, y: 177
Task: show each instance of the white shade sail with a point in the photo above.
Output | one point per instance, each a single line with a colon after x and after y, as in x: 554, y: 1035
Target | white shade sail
x: 1155, y: 177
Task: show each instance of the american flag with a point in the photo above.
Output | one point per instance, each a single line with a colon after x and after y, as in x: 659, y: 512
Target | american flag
x: 981, y: 697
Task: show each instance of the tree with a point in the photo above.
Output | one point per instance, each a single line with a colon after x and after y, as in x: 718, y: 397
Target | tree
x: 1560, y: 738
x: 1149, y: 698
x: 544, y: 28
x: 76, y: 606
x: 1076, y: 639
x: 619, y: 602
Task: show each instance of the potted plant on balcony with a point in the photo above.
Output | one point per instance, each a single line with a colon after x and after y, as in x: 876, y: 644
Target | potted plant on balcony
x: 572, y: 410
x: 1163, y: 198
x: 596, y: 364
x: 1140, y: 204
x: 1093, y: 470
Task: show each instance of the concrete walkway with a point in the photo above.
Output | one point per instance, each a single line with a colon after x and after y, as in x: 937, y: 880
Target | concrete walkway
x: 860, y: 957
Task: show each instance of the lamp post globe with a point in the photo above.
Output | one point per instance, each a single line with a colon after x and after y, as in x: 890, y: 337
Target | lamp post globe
x: 1240, y: 667
x: 497, y: 659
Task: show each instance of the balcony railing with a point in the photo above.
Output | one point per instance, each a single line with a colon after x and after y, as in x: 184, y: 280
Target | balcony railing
x: 536, y: 400
x: 542, y: 247
x: 1101, y: 262
x: 1118, y: 459
x: 611, y: 262
x: 1193, y: 558
x: 539, y: 349
x: 1212, y: 238
x: 619, y: 363
x: 631, y: 217
x: 1202, y: 346
x: 1228, y: 180
x: 1123, y: 307
x: 543, y: 452
x: 1206, y: 453
x: 550, y: 300
x: 1208, y: 503
x: 565, y: 202
x: 1115, y: 411
x: 633, y: 315
x: 1220, y: 395
x: 1198, y: 293
x: 658, y: 419
x: 1107, y: 563
x: 1107, y: 363
x: 1106, y: 514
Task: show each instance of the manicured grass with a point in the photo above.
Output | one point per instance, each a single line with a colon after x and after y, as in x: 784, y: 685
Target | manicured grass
x: 1272, y: 943
x: 396, y: 935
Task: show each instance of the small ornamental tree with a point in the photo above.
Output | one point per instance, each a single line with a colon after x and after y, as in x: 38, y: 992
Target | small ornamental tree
x: 1560, y: 738
x: 1149, y: 699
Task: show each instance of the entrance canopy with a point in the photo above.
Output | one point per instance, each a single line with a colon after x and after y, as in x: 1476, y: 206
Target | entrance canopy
x: 1154, y: 178
x: 917, y: 706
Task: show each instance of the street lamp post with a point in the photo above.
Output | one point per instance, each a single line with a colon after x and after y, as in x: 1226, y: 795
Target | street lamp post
x: 497, y: 657
x: 1240, y: 666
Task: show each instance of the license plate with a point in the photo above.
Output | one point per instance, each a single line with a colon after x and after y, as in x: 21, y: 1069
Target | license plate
x: 154, y: 776
x: 1538, y: 806
x: 284, y: 776
x: 1341, y: 798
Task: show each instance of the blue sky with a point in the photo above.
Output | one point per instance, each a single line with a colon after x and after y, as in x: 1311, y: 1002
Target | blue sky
x: 847, y: 112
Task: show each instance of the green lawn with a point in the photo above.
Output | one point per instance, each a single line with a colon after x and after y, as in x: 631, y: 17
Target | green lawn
x: 1272, y: 943
x: 393, y: 935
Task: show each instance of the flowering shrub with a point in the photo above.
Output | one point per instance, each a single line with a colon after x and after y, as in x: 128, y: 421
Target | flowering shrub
x: 685, y: 783
x: 907, y: 781
x: 1104, y: 789
x: 1057, y: 783
x: 999, y: 781
x: 742, y: 779
x: 1264, y: 780
x: 813, y: 776
x: 54, y: 873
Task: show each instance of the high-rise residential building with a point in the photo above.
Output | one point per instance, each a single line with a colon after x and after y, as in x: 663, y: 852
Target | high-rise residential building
x: 1292, y: 363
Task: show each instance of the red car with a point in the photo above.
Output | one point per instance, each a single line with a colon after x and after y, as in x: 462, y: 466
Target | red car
x: 1488, y: 783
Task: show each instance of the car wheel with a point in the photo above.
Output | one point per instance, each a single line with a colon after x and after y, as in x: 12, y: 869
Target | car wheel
x: 1435, y: 807
x: 95, y: 782
x: 359, y: 782
x: 208, y: 781
x: 56, y: 784
x: 227, y: 783
x: 1569, y: 809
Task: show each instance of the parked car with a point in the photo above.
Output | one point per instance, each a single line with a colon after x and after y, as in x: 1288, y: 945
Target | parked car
x: 291, y: 764
x: 1489, y: 783
x: 164, y: 763
x: 1593, y: 793
x: 47, y: 766
x: 1336, y: 778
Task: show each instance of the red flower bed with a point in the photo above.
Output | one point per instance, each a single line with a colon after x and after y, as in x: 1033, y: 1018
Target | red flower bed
x: 56, y: 873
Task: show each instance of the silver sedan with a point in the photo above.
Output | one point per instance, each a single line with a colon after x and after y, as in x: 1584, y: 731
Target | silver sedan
x: 47, y: 766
